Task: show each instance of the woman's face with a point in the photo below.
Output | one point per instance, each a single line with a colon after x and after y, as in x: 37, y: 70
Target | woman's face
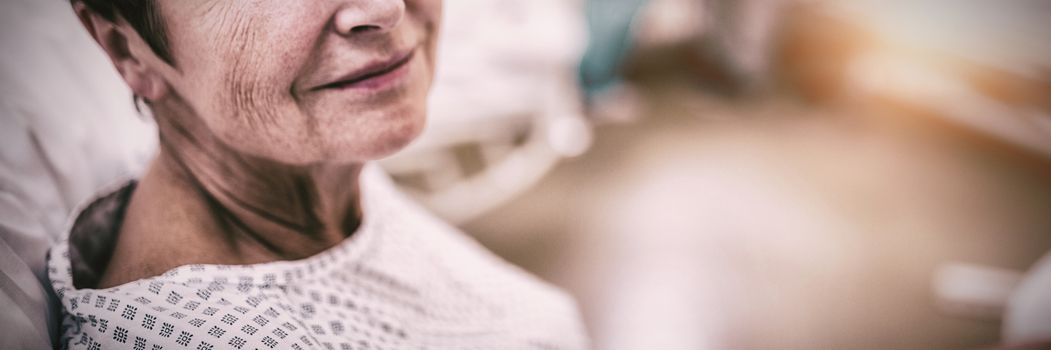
x: 304, y: 81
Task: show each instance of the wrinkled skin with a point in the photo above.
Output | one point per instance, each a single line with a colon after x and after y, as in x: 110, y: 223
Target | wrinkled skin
x: 246, y: 67
x: 260, y: 153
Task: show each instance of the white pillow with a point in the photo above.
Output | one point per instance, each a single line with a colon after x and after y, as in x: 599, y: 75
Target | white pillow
x: 68, y: 128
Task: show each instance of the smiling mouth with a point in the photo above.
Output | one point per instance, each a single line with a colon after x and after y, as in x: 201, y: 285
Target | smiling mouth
x: 371, y: 74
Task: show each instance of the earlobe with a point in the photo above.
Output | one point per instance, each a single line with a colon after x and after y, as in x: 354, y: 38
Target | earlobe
x: 143, y: 81
x: 155, y: 87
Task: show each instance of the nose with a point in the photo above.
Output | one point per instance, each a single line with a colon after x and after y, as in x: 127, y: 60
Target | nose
x: 361, y: 16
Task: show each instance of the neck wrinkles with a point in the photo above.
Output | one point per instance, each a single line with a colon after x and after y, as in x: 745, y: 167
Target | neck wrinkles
x: 292, y: 211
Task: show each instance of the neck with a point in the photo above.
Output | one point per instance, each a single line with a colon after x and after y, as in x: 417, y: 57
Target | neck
x: 287, y: 211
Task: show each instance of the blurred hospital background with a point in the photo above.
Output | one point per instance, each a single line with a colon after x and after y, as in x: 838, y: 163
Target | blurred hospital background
x: 756, y: 174
x: 699, y: 174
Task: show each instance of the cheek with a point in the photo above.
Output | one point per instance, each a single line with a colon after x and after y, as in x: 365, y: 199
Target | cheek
x: 257, y: 62
x: 254, y: 105
x: 250, y: 81
x: 429, y: 9
x: 429, y: 14
x: 240, y: 83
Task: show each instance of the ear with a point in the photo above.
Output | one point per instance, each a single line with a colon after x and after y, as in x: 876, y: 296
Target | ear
x: 128, y: 52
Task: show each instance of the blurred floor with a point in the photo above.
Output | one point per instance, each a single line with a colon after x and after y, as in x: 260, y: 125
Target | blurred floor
x: 764, y: 223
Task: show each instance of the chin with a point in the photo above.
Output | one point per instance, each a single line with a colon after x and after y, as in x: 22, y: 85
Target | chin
x: 374, y: 139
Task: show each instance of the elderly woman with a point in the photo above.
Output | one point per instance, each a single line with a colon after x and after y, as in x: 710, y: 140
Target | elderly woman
x: 260, y: 223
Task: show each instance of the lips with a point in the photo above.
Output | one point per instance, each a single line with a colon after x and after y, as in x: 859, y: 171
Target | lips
x: 372, y: 72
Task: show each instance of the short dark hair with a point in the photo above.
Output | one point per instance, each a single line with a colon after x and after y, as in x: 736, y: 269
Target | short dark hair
x: 142, y: 15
